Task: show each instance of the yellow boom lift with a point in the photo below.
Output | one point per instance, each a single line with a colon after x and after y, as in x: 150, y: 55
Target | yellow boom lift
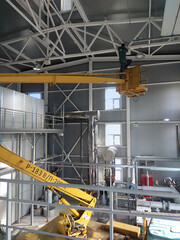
x: 128, y: 83
x: 71, y: 225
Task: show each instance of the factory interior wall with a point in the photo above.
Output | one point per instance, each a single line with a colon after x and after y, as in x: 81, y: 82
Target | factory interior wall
x: 149, y: 137
x: 19, y: 111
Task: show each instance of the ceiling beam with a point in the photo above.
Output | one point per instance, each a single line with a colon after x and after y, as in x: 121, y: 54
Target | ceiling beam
x: 76, y: 25
x: 102, y: 59
x: 100, y: 23
x: 75, y: 55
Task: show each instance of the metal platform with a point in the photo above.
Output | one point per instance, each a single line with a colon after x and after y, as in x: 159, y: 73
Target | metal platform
x: 25, y: 130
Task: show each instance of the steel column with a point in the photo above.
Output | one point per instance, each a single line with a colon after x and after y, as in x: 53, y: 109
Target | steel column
x: 32, y: 186
x: 128, y: 127
x: 8, y: 211
x: 46, y: 97
x: 90, y: 87
x: 111, y: 232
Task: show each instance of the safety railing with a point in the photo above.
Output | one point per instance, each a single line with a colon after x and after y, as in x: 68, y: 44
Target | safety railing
x: 53, y: 122
x: 110, y: 210
x: 17, y: 119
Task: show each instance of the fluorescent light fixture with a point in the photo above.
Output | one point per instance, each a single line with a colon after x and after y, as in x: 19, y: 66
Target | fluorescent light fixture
x: 166, y: 120
x: 37, y: 67
x: 140, y: 55
x: 47, y: 62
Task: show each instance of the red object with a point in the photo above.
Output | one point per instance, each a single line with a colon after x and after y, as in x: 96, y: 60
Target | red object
x: 110, y: 179
x: 147, y: 180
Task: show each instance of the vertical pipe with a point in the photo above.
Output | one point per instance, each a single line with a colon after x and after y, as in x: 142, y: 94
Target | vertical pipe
x: 128, y: 135
x: 36, y: 115
x: 24, y: 112
x: 32, y: 186
x: 111, y: 215
x: 45, y: 150
x: 18, y: 205
x: 62, y: 149
x: 90, y: 153
x: 81, y: 149
x: 91, y: 170
x: 90, y: 87
x: 95, y: 129
x: 21, y: 174
x: 19, y: 178
x: 46, y: 97
x: 8, y: 211
x: 136, y: 175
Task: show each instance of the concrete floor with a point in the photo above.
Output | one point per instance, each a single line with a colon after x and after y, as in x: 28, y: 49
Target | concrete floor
x: 40, y: 221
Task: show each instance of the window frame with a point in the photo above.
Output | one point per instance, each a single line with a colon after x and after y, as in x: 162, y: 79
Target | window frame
x: 111, y: 100
x: 119, y: 170
x: 113, y: 135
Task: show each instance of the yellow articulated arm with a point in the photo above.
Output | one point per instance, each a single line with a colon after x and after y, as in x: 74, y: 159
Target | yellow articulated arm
x: 72, y: 225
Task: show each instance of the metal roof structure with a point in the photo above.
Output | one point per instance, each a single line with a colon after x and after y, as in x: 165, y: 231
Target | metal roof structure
x: 39, y: 32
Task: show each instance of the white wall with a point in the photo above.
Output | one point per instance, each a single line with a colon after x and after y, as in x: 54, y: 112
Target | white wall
x: 19, y: 111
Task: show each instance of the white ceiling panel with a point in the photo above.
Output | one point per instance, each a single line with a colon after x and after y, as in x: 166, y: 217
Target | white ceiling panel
x: 177, y: 25
x: 170, y: 16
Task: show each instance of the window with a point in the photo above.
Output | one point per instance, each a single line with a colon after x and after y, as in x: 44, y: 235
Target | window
x: 113, y: 135
x: 112, y: 99
x: 118, y: 171
x: 66, y: 5
x: 35, y: 95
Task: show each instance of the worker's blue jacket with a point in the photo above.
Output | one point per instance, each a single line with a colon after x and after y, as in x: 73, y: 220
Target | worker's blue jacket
x: 122, y: 54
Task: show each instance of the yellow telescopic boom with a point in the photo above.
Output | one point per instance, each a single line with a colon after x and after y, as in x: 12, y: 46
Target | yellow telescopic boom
x: 72, y: 225
x: 19, y: 163
x: 128, y: 83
